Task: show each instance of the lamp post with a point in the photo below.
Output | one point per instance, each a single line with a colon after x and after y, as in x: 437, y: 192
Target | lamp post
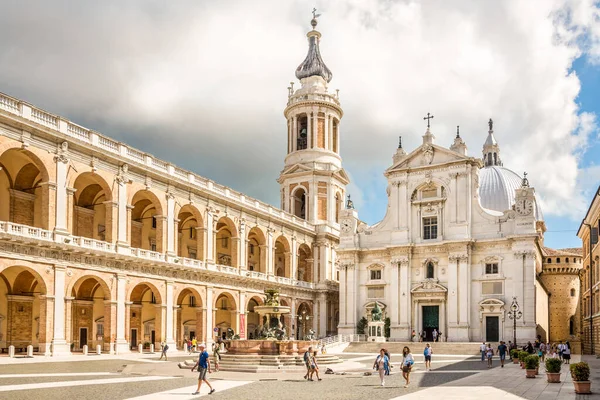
x: 514, y: 314
x: 303, y: 318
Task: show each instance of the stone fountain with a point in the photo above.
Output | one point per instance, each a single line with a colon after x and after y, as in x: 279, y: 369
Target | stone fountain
x: 272, y: 338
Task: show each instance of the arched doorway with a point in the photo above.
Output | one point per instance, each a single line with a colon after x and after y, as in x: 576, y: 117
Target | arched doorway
x: 257, y: 253
x: 253, y: 319
x: 300, y: 203
x: 191, y: 234
x: 226, y: 242
x: 190, y: 321
x: 23, y: 310
x: 305, y: 266
x: 145, y: 316
x: 90, y: 314
x: 91, y: 215
x: 225, y: 314
x: 305, y: 320
x: 23, y: 198
x: 282, y: 257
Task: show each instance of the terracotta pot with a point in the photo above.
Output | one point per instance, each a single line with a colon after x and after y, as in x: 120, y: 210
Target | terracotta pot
x: 515, y: 361
x: 582, y: 387
x: 522, y: 365
x: 530, y: 373
x: 553, y: 377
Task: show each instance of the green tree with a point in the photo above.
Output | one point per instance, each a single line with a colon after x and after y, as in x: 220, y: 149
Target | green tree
x: 360, y: 327
x: 386, y: 327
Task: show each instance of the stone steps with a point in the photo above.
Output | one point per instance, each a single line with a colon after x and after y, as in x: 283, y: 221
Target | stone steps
x: 450, y: 348
x: 270, y: 363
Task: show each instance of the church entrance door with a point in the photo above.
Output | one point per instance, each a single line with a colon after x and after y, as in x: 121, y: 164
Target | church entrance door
x: 431, y: 321
x: 492, y: 329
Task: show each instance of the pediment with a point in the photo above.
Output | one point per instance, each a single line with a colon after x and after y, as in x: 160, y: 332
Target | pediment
x: 295, y: 169
x: 427, y: 154
x: 491, y: 302
x: 429, y: 287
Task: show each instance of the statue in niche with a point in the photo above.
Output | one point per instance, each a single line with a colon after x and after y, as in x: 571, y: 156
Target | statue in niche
x: 376, y: 313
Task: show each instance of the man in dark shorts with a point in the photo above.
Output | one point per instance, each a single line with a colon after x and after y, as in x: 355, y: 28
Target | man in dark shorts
x: 307, y: 355
x: 502, y: 353
x: 203, y: 365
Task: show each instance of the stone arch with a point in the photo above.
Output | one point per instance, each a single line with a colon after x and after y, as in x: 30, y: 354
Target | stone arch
x: 146, y: 314
x: 91, y: 313
x: 91, y: 212
x: 305, y: 319
x: 190, y: 238
x: 226, y: 243
x: 282, y: 259
x: 25, y: 307
x: 253, y: 318
x: 257, y: 250
x: 305, y: 266
x: 190, y: 316
x: 25, y: 196
x: 148, y: 230
x: 226, y: 314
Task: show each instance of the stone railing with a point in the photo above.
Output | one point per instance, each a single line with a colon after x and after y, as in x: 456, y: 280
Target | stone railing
x: 327, y: 98
x: 25, y: 231
x: 95, y: 139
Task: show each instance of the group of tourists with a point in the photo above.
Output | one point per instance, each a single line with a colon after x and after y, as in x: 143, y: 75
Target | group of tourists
x: 312, y: 367
x: 487, y: 353
x: 383, y: 363
x: 562, y: 350
x: 437, y: 335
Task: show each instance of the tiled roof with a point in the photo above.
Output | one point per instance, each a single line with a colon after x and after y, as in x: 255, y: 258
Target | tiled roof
x: 573, y: 251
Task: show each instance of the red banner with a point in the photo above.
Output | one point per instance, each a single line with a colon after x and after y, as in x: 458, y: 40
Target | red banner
x: 242, y: 326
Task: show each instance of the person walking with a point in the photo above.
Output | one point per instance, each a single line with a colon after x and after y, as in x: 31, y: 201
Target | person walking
x: 423, y: 335
x: 435, y: 335
x: 427, y: 352
x: 407, y: 363
x: 203, y: 365
x: 306, y: 359
x: 216, y: 356
x: 542, y: 351
x: 389, y: 356
x: 502, y: 349
x: 382, y: 365
x: 163, y: 350
x: 567, y: 353
x: 314, y: 367
x: 482, y: 350
x: 194, y: 344
x: 560, y: 350
x: 529, y: 348
x: 489, y: 352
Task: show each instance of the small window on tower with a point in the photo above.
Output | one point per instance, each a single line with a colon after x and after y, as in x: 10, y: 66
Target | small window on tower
x: 302, y: 141
x: 491, y: 268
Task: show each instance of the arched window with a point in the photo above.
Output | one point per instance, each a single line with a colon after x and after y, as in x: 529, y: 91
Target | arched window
x: 302, y: 141
x: 549, y: 260
x: 300, y: 203
x: 572, y: 292
x: 557, y: 260
x: 567, y: 260
x: 429, y: 270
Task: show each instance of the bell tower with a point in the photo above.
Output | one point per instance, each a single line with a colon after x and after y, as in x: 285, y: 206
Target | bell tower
x: 313, y: 182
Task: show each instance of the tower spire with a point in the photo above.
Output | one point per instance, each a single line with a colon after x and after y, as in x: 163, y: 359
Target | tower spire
x: 313, y: 64
x: 491, y: 149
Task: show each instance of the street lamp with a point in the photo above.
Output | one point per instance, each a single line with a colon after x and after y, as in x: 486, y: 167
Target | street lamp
x: 514, y: 314
x: 303, y: 318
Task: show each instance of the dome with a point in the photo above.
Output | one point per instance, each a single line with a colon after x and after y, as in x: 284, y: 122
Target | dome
x: 497, y: 187
x: 313, y: 64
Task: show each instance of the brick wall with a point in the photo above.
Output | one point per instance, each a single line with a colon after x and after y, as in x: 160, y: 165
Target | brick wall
x: 22, y: 207
x: 20, y: 323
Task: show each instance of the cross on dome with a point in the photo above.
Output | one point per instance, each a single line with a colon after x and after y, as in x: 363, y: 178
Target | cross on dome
x: 428, y: 117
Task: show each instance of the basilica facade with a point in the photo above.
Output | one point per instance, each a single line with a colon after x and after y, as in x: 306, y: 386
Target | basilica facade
x: 462, y: 238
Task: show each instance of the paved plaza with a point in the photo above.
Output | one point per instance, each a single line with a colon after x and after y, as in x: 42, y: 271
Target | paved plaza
x: 144, y: 377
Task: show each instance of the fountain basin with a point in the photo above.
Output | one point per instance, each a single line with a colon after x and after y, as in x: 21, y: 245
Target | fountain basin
x: 270, y: 347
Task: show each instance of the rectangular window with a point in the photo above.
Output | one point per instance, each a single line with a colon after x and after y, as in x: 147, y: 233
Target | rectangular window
x: 375, y: 292
x: 426, y: 194
x: 192, y: 231
x: 224, y: 242
x: 251, y: 248
x: 430, y: 228
x: 376, y: 274
x: 491, y: 268
x: 153, y: 222
x: 192, y: 301
x: 99, y: 329
x: 491, y: 288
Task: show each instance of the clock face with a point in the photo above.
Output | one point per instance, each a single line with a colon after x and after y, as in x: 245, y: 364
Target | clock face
x: 524, y: 207
x: 346, y: 225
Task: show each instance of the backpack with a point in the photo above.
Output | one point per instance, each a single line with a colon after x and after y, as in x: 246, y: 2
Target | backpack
x: 166, y: 347
x: 306, y: 356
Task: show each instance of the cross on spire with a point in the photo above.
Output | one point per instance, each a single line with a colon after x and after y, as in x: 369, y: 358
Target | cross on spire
x: 399, y: 142
x: 457, y: 131
x: 428, y: 117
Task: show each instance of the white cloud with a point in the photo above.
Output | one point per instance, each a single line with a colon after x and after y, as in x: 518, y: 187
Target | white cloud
x: 204, y: 84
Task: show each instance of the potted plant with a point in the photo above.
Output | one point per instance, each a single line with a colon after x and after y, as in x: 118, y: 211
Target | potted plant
x: 514, y: 353
x: 522, y: 356
x: 531, y: 365
x: 553, y: 370
x: 580, y: 372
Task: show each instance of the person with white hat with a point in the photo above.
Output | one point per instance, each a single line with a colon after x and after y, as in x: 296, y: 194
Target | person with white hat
x: 203, y: 365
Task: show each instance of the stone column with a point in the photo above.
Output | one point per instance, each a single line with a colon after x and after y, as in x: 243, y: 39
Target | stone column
x: 294, y: 260
x: 209, y: 240
x: 206, y: 329
x: 169, y: 339
x: 242, y: 311
x: 405, y: 298
x: 326, y: 132
x: 59, y: 344
x: 464, y: 283
x: 200, y: 238
x: 46, y: 327
x: 309, y: 134
x: 270, y: 260
x: 453, y: 298
x: 69, y: 320
x: 110, y: 326
x: 315, y: 124
x: 294, y: 133
x: 121, y: 343
x: 111, y: 220
x: 123, y: 217
x: 70, y: 208
x: 343, y: 297
x: 61, y: 229
x: 210, y: 317
x: 395, y: 297
x: 128, y: 305
x: 177, y: 250
x: 322, y: 331
x: 242, y: 246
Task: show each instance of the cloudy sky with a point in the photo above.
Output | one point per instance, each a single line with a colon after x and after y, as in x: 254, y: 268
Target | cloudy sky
x: 203, y: 84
